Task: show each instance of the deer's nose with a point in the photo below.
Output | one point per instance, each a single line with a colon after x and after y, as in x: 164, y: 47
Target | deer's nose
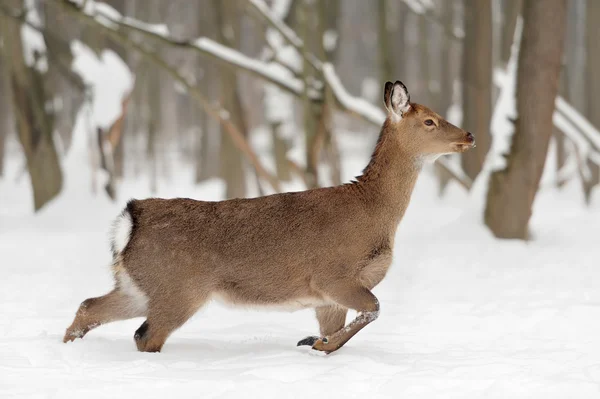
x: 470, y: 137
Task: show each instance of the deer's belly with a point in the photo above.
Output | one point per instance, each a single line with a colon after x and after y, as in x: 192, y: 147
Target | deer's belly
x: 270, y: 303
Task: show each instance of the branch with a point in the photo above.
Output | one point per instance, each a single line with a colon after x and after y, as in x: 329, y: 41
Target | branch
x: 215, y: 111
x: 50, y: 39
x: 456, y: 173
x: 354, y: 105
x: 231, y: 58
x: 263, y: 11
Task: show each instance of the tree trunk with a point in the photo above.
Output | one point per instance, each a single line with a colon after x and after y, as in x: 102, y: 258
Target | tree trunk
x: 310, y: 110
x: 5, y: 111
x: 33, y: 124
x: 386, y: 57
x: 427, y: 95
x: 280, y: 149
x: 510, y: 12
x: 477, y: 81
x: 512, y: 191
x: 592, y: 39
x: 232, y: 163
x: 446, y: 78
x: 208, y: 162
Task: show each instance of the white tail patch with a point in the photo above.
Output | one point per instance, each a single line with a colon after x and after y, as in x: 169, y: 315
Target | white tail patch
x: 121, y: 232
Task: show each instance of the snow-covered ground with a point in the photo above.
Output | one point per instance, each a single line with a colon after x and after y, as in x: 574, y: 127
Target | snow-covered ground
x: 463, y: 315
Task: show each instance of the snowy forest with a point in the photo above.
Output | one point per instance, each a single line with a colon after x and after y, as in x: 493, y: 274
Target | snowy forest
x: 493, y: 291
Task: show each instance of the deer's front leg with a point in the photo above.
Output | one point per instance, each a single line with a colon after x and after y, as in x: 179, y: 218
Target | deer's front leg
x: 354, y: 297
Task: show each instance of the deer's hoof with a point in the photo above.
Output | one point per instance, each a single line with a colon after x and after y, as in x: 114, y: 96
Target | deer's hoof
x: 308, y: 341
x: 316, y: 343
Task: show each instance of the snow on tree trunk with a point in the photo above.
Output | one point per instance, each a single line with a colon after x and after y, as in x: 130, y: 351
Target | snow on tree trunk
x: 512, y: 190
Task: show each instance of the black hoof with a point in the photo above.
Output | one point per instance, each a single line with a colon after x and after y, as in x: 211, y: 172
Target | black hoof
x: 140, y: 332
x: 310, y: 341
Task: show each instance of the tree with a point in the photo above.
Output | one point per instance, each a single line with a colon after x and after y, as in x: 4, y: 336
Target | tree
x: 5, y: 111
x: 510, y: 12
x: 232, y: 164
x: 477, y: 81
x: 592, y: 78
x: 512, y: 190
x: 34, y: 122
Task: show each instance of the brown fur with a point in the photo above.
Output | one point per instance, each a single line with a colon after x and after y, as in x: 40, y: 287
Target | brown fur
x: 324, y: 248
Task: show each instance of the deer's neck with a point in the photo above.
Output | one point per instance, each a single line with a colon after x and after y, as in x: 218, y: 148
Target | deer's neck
x: 390, y: 177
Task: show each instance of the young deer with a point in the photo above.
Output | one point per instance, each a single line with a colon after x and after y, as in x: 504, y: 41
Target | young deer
x: 324, y: 248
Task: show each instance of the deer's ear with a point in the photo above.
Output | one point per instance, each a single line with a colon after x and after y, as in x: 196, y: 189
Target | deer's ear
x: 387, y: 96
x: 399, y: 98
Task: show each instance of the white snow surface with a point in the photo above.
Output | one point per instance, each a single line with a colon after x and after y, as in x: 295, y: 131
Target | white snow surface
x: 463, y: 315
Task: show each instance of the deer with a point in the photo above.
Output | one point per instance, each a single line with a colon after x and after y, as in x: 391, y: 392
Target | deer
x: 324, y: 248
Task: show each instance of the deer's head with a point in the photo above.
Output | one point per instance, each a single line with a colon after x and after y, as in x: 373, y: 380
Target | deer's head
x: 420, y: 130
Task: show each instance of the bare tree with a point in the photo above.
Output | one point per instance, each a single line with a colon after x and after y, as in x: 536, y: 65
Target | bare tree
x: 592, y: 78
x: 477, y: 81
x: 510, y: 12
x: 5, y: 111
x: 512, y: 190
x: 232, y: 164
x: 34, y: 123
x: 384, y: 36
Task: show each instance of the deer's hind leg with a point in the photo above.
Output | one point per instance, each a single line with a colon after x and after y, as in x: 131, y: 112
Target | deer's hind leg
x: 166, y: 316
x: 352, y: 296
x: 93, y: 312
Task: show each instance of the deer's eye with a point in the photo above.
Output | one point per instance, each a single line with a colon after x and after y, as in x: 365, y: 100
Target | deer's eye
x: 429, y: 122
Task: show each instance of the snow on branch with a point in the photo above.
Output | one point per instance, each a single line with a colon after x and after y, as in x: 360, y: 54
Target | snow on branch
x: 355, y: 105
x: 419, y: 6
x: 568, y: 120
x: 112, y: 19
x: 213, y: 110
x: 271, y: 71
x: 583, y: 125
x: 274, y: 20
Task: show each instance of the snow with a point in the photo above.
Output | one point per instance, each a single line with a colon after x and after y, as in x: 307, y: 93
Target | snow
x: 330, y: 39
x: 34, y: 46
x: 274, y: 18
x: 157, y: 29
x: 281, y: 8
x: 419, y: 6
x: 104, y: 13
x: 108, y: 78
x: 463, y: 315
